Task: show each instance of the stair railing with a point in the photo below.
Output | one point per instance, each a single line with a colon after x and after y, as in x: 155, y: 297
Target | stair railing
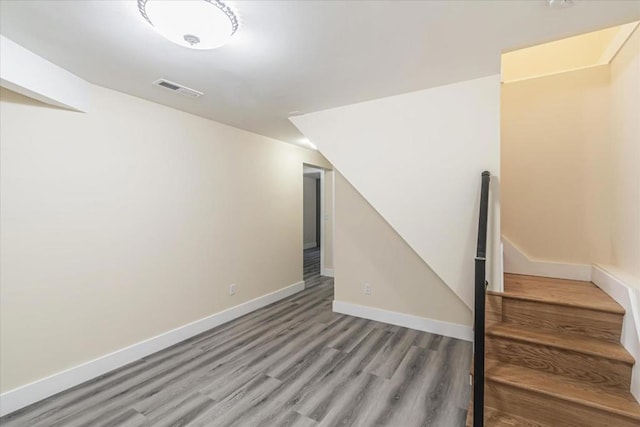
x: 479, y: 305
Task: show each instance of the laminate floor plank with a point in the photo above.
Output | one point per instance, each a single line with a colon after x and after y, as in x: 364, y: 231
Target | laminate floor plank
x: 316, y: 404
x: 370, y: 401
x: 130, y: 418
x: 293, y: 363
x: 265, y: 316
x: 85, y: 402
x: 238, y: 402
x: 348, y: 340
x: 236, y: 377
x: 100, y: 408
x: 181, y: 413
x: 286, y: 367
x: 294, y: 419
x: 350, y: 403
x: 298, y: 315
x: 311, y: 266
x: 388, y: 359
x: 281, y: 399
x: 402, y: 389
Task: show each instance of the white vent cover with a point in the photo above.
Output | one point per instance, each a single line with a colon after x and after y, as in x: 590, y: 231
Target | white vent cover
x: 175, y: 87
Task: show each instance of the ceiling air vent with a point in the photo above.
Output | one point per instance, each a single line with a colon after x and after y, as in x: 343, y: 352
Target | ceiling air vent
x: 175, y: 87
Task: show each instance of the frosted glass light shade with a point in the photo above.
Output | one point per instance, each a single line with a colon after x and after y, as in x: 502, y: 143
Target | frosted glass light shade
x: 196, y: 24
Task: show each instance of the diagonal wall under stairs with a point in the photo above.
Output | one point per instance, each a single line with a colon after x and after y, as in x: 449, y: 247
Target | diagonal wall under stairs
x: 417, y: 159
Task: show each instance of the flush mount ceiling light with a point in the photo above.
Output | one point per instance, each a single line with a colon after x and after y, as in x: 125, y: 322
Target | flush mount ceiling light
x: 196, y: 24
x: 560, y: 4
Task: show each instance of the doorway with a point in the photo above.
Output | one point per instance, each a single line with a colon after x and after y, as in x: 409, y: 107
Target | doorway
x: 317, y: 222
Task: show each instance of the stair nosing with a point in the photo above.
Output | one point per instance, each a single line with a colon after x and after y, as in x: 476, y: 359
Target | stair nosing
x: 569, y: 398
x: 512, y: 295
x: 497, y: 331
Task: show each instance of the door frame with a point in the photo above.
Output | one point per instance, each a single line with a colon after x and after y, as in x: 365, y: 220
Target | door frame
x: 323, y: 216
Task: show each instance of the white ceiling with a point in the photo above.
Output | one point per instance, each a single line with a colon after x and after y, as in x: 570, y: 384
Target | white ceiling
x: 297, y: 55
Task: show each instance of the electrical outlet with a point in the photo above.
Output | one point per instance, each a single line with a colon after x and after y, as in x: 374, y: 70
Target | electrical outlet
x: 232, y: 289
x: 367, y: 289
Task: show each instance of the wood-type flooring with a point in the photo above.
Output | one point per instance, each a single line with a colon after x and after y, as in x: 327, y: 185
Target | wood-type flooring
x: 293, y: 363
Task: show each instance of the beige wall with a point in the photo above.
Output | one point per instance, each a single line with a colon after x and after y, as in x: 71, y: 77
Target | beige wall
x: 625, y: 147
x: 309, y: 209
x: 368, y: 250
x: 555, y: 189
x: 571, y: 164
x: 131, y: 220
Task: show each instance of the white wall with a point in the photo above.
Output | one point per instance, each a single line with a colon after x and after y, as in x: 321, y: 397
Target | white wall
x: 625, y: 145
x: 328, y: 218
x: 132, y: 220
x: 29, y: 74
x: 417, y: 159
x: 624, y: 262
x: 309, y: 212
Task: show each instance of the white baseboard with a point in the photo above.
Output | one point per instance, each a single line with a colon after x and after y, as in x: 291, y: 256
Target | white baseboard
x: 629, y: 298
x: 517, y: 262
x: 310, y: 245
x: 20, y: 397
x: 439, y: 327
x: 327, y: 272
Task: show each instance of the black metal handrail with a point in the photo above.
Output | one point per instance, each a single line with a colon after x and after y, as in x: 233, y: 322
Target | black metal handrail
x: 479, y: 309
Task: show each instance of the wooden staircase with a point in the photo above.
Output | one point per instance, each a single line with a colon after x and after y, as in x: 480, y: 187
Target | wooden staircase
x: 554, y: 358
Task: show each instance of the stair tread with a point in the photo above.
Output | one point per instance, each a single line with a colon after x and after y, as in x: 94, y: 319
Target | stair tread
x: 573, y: 293
x: 495, y: 418
x: 581, y: 344
x: 621, y: 403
